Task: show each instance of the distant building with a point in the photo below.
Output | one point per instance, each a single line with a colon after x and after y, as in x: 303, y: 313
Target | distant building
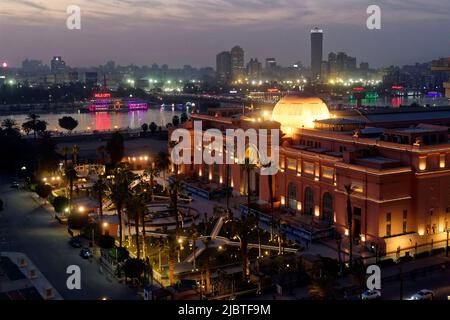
x: 91, y: 78
x: 223, y: 67
x: 32, y: 67
x: 271, y: 64
x: 237, y: 63
x: 58, y: 65
x: 316, y: 52
x: 254, y: 69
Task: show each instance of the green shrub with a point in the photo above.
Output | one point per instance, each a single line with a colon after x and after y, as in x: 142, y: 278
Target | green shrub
x: 437, y: 251
x: 105, y: 241
x: 77, y: 221
x: 60, y: 204
x: 133, y: 268
x: 43, y: 190
x: 121, y: 254
x: 422, y: 255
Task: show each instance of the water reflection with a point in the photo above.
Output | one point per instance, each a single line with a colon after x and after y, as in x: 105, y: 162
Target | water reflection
x: 102, y: 121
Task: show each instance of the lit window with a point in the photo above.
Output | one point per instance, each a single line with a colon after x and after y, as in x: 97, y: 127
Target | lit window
x: 308, y: 168
x: 327, y: 172
x: 291, y: 164
x: 442, y: 161
x: 422, y: 163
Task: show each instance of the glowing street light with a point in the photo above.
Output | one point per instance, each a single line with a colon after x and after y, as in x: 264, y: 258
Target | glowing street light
x: 81, y: 209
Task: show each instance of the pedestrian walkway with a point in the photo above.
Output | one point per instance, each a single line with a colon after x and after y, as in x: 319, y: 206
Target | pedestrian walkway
x: 32, y: 276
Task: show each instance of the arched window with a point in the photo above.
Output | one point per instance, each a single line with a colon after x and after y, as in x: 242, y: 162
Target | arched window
x: 292, y: 196
x: 309, y: 201
x: 327, y: 207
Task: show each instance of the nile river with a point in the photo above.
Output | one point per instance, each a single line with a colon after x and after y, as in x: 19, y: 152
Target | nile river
x: 102, y: 121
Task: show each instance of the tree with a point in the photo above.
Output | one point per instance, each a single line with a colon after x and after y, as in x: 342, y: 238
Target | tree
x: 183, y: 117
x: 65, y: 152
x: 105, y: 241
x: 75, y: 152
x: 133, y: 268
x: 71, y: 176
x: 172, y: 245
x: 162, y: 161
x: 102, y: 151
x: 136, y: 208
x: 349, y: 189
x: 247, y: 167
x: 153, y: 127
x: 175, y: 189
x: 60, y: 204
x: 77, y: 221
x: 68, y: 123
x: 175, y: 121
x: 115, y: 148
x: 120, y: 193
x: 30, y: 123
x: 43, y: 190
x: 99, y: 188
x: 151, y: 173
x: 9, y: 124
x: 144, y: 127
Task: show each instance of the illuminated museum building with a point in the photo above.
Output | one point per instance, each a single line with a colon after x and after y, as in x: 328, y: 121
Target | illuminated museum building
x: 400, y: 176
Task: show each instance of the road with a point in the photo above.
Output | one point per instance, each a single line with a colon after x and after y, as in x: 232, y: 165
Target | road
x: 27, y: 227
x: 438, y: 282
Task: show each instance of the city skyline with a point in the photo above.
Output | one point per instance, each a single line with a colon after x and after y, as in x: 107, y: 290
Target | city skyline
x: 108, y: 32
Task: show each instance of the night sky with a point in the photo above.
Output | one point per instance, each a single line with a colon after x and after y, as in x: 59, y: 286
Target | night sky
x: 179, y: 32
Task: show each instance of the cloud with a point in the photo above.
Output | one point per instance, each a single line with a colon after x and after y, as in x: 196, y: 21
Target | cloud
x: 201, y: 13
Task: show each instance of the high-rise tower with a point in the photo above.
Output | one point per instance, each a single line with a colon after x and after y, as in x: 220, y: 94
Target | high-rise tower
x: 316, y: 52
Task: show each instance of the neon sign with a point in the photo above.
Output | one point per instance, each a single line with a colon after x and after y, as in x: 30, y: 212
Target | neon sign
x: 397, y: 87
x: 102, y: 95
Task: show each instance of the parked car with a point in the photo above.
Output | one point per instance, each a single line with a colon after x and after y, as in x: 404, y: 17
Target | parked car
x: 75, y: 243
x: 85, y: 253
x: 371, y: 294
x: 423, y: 294
x: 15, y: 185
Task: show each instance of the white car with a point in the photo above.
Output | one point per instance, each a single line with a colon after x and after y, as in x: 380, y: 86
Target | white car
x: 423, y: 294
x: 371, y: 294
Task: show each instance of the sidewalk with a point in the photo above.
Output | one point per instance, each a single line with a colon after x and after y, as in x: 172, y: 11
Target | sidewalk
x: 32, y: 276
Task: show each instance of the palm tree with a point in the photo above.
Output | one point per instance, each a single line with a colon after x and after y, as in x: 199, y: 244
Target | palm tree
x: 172, y: 144
x: 99, y: 188
x: 162, y: 161
x: 171, y: 241
x: 270, y: 185
x: 151, y: 173
x: 194, y: 235
x: 206, y: 242
x: 65, y: 152
x: 31, y: 123
x: 120, y: 193
x: 75, y: 152
x: 71, y: 175
x: 9, y: 124
x: 248, y: 167
x: 136, y: 206
x: 175, y: 189
x: 102, y: 151
x: 349, y: 189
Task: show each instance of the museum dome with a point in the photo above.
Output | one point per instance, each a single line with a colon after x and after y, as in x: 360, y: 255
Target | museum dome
x: 299, y: 112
